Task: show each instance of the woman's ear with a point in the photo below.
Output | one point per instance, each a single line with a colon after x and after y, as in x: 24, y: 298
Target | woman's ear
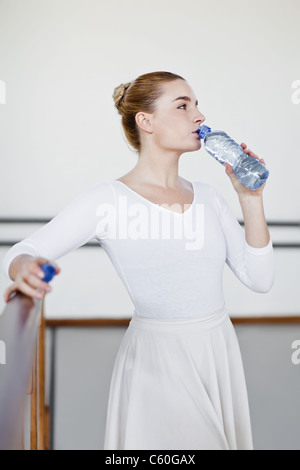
x: 144, y: 122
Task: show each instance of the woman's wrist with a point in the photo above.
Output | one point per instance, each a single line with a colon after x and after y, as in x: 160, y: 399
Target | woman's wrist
x: 256, y: 229
x: 253, y: 198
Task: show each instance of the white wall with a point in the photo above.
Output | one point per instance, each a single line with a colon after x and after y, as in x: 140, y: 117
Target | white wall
x: 59, y: 132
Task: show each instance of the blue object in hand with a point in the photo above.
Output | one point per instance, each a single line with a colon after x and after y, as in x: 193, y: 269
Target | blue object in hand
x: 49, y: 271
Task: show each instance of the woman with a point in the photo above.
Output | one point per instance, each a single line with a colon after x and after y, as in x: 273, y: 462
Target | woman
x: 178, y: 380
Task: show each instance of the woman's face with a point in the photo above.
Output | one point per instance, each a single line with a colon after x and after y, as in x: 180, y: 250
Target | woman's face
x: 176, y: 118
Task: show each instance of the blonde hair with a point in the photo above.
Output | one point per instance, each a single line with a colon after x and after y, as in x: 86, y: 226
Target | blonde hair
x: 139, y: 95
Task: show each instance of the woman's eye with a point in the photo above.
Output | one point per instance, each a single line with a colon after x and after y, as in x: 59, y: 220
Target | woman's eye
x: 183, y: 105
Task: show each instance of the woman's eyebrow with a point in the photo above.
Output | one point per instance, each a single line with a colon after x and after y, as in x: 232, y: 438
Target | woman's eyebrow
x: 185, y: 98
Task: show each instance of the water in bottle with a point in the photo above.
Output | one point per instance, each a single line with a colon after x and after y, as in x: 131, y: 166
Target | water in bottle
x: 250, y: 171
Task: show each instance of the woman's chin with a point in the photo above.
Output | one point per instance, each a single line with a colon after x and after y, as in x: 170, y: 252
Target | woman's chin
x: 191, y: 147
x: 194, y: 147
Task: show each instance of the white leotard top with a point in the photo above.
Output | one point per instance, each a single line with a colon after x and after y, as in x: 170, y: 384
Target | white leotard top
x: 171, y: 263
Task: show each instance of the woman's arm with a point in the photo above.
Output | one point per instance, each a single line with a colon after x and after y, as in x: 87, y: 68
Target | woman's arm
x: 249, y: 252
x: 74, y: 226
x: 256, y: 229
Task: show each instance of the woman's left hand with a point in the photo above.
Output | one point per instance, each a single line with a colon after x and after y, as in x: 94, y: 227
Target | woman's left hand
x: 238, y: 186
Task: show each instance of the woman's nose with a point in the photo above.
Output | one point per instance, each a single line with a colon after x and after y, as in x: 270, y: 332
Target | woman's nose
x: 199, y: 117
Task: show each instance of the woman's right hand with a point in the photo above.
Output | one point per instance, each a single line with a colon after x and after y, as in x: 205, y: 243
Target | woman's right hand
x: 28, y: 277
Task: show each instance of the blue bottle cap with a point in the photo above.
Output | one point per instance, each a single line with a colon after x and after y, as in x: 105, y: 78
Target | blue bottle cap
x: 203, y: 131
x: 49, y: 271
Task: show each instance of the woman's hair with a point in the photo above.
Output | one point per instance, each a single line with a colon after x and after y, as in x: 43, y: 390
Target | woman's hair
x: 139, y: 95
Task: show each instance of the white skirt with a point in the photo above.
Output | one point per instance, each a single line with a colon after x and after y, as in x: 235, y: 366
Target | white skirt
x: 179, y: 384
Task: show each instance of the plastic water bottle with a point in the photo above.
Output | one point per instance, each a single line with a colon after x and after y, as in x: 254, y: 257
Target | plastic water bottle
x: 250, y: 171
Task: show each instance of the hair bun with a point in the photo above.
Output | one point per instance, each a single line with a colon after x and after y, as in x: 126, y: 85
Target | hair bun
x: 119, y: 93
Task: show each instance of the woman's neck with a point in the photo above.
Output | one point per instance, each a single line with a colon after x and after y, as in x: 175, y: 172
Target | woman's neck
x: 159, y: 169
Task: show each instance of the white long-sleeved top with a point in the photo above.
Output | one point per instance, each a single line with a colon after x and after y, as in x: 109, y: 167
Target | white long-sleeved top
x: 171, y: 263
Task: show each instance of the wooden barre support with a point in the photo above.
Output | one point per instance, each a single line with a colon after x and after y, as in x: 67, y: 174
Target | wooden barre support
x: 19, y: 326
x: 39, y: 434
x: 33, y: 406
x: 90, y: 322
x: 41, y: 383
